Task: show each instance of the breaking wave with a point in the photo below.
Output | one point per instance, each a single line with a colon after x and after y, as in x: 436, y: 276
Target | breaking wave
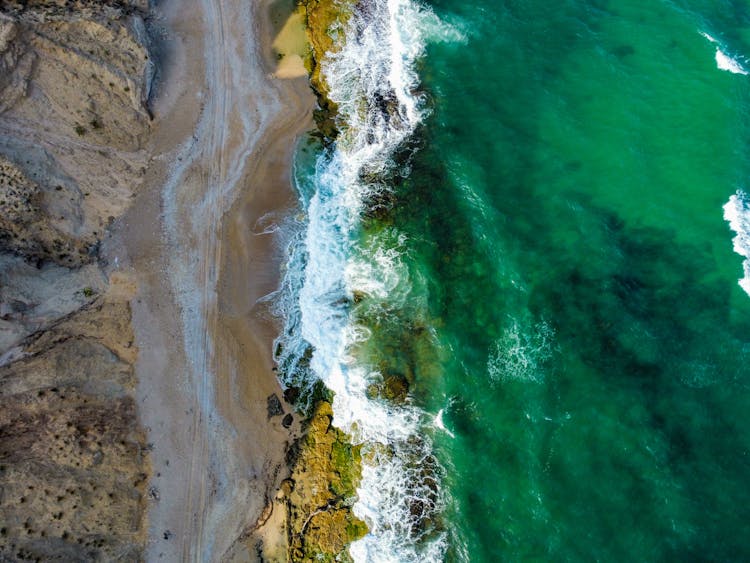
x: 737, y: 213
x: 725, y: 61
x: 332, y: 265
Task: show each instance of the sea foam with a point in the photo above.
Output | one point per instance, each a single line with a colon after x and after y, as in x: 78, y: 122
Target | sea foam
x: 723, y: 60
x: 737, y: 213
x: 373, y: 81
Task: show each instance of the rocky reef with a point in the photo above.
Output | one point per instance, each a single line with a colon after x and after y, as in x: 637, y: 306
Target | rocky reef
x: 321, y: 491
x: 75, y: 78
x: 325, y: 21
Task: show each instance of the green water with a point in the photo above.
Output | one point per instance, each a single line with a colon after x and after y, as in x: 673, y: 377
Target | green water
x: 566, y: 208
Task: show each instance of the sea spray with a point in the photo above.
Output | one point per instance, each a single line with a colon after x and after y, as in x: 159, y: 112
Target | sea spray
x: 346, y: 285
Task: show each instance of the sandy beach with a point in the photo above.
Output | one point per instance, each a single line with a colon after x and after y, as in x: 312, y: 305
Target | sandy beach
x: 225, y: 128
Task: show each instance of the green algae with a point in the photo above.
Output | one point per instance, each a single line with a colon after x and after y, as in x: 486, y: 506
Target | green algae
x: 325, y: 20
x: 326, y: 469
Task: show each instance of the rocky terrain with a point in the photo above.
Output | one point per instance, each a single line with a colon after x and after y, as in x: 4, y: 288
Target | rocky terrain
x: 313, y: 507
x: 74, y: 83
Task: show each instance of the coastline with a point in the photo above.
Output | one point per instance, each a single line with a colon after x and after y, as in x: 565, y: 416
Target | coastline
x: 205, y: 375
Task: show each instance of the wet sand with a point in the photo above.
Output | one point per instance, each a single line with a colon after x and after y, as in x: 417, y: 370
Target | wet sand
x: 225, y: 128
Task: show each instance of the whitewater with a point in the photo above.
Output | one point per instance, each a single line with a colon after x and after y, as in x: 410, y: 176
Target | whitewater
x: 737, y: 214
x: 373, y: 81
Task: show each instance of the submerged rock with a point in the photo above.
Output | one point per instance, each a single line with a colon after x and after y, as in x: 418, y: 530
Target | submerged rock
x: 394, y: 388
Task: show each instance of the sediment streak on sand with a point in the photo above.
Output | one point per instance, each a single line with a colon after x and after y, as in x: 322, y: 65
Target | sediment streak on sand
x: 206, y: 408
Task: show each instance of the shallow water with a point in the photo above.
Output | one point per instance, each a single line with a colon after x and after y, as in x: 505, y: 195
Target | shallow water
x: 552, y: 271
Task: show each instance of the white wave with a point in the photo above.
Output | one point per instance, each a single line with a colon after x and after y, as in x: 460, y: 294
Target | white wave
x: 737, y: 213
x: 373, y: 81
x: 723, y: 60
x: 439, y: 424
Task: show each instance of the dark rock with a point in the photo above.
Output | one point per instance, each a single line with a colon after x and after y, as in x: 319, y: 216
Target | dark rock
x: 395, y: 388
x: 291, y: 395
x: 274, y: 406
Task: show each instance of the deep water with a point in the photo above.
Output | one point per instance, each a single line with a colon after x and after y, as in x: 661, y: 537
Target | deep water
x: 514, y: 271
x: 565, y: 206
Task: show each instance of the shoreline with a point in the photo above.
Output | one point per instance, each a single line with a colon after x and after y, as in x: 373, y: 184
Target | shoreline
x: 217, y: 456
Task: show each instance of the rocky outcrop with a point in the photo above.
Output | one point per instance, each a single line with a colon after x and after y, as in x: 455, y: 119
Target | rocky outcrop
x: 33, y: 226
x: 325, y: 28
x: 73, y: 464
x: 73, y: 119
x: 74, y: 84
x: 316, y: 500
x: 321, y: 491
x: 48, y: 10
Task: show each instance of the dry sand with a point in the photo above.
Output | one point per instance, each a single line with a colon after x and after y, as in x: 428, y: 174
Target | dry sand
x: 225, y: 128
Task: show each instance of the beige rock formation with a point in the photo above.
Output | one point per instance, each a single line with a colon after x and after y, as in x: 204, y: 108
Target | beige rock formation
x: 74, y: 81
x: 73, y: 466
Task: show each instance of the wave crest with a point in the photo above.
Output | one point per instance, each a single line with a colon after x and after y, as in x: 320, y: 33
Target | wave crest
x: 737, y: 213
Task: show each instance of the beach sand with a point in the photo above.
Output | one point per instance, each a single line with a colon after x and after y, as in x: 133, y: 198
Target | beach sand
x: 225, y: 128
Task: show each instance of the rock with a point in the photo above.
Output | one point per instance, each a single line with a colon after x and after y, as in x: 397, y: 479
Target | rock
x: 31, y: 225
x: 73, y: 456
x: 325, y: 22
x: 273, y: 405
x: 395, y: 388
x: 74, y: 87
x: 153, y: 493
x: 287, y: 421
x: 325, y: 471
x: 75, y: 78
x: 291, y: 394
x: 287, y: 486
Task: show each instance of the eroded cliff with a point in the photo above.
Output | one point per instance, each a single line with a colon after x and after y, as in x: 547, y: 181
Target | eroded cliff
x: 74, y: 84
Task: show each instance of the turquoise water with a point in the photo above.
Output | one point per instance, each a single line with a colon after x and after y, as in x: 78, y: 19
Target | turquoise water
x: 567, y: 204
x: 537, y: 247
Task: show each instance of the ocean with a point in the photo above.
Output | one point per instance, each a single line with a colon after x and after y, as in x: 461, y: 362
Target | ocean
x: 517, y: 270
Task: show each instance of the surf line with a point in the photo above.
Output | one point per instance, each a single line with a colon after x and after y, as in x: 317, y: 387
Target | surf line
x: 333, y: 266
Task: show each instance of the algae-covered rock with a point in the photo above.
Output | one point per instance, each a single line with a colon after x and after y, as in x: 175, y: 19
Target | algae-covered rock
x: 394, y: 388
x: 321, y: 492
x: 325, y: 31
x: 326, y: 20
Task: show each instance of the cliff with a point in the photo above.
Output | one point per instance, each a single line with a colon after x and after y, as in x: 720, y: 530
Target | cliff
x: 74, y: 83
